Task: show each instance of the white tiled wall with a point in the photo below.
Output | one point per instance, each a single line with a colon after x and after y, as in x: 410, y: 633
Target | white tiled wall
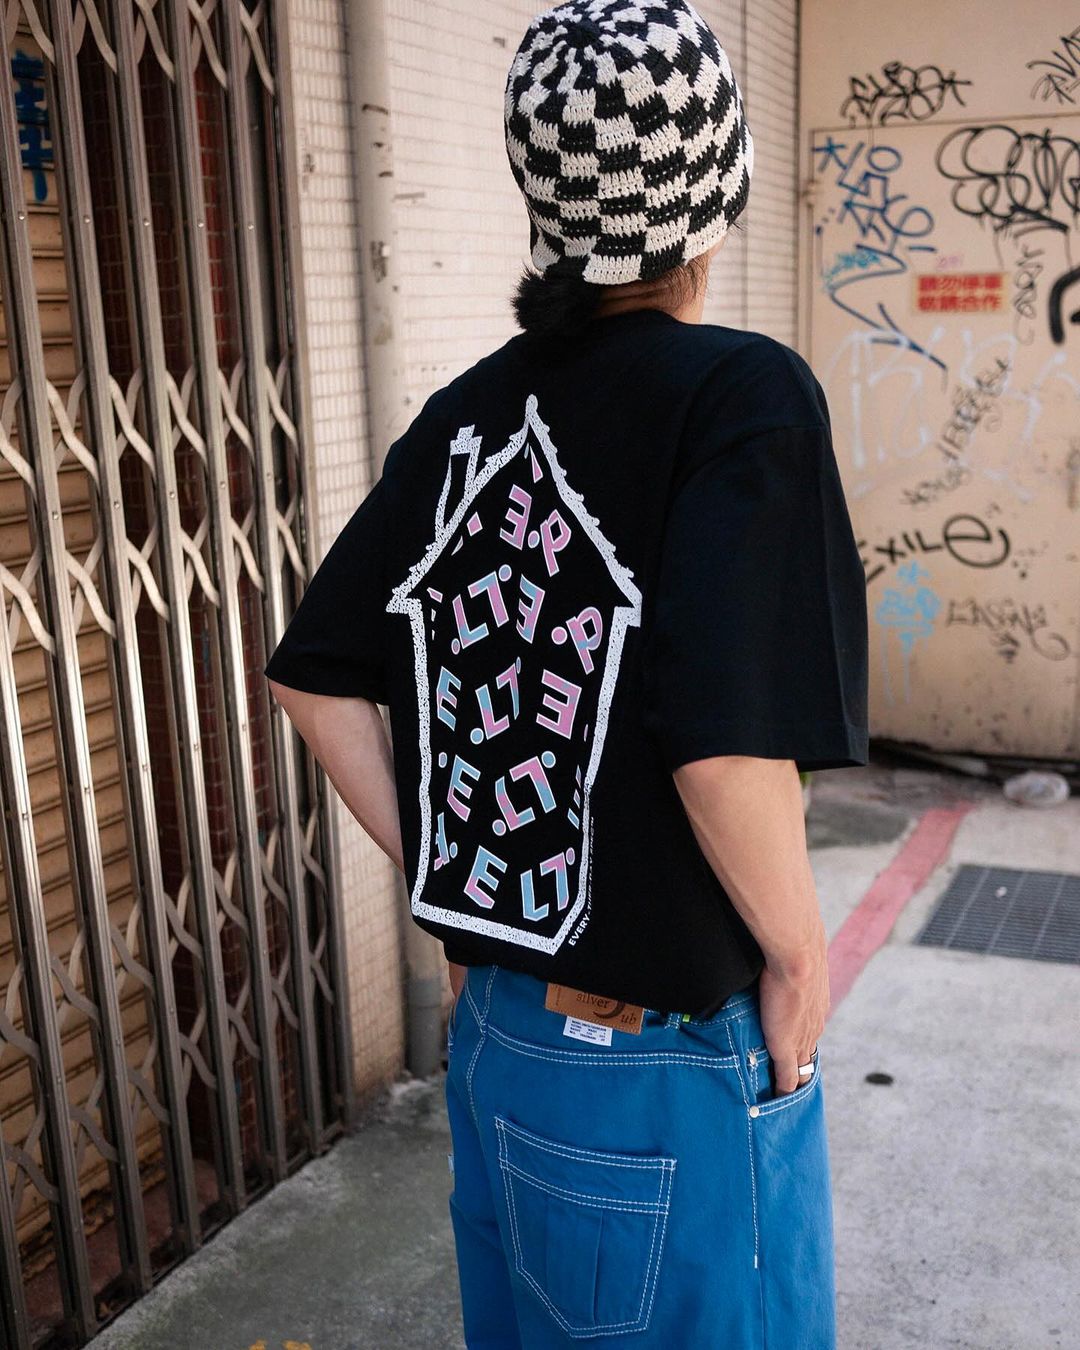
x: 771, y: 83
x: 332, y: 283
x: 463, y: 232
x: 461, y: 236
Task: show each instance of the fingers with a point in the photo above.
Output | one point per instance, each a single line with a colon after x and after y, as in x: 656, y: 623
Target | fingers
x: 806, y: 1063
x: 785, y: 1075
x: 791, y: 1070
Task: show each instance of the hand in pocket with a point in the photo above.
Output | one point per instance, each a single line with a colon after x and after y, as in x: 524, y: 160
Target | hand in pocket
x: 793, y: 1007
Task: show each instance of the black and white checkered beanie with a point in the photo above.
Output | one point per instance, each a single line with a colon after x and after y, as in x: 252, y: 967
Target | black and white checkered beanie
x: 626, y: 133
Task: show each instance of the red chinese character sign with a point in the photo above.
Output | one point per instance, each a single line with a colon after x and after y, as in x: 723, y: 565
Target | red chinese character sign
x: 519, y: 610
x: 959, y: 292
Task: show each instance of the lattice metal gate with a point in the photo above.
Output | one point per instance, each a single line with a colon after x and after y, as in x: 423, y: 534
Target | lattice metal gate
x: 172, y: 1036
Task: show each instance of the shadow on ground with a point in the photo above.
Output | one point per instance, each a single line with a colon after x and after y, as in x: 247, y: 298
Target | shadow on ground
x: 352, y: 1253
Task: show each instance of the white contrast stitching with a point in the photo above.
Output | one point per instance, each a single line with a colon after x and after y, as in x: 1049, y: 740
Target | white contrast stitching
x: 589, y: 1155
x: 582, y: 1198
x: 619, y: 1059
x: 652, y: 1264
x: 660, y: 1248
x: 611, y: 1328
x: 472, y: 1002
x: 479, y: 1043
x: 750, y: 1150
x: 649, y: 1267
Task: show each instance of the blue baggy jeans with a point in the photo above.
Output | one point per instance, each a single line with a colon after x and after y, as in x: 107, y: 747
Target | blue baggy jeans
x: 648, y: 1193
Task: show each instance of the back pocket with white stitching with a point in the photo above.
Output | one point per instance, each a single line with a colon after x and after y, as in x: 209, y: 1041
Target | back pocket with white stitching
x: 587, y: 1227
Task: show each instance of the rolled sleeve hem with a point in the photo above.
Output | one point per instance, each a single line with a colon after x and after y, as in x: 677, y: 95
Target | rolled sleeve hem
x: 311, y: 679
x: 817, y: 745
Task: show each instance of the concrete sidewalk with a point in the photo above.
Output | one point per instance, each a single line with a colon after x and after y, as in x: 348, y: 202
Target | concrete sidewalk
x: 957, y: 1184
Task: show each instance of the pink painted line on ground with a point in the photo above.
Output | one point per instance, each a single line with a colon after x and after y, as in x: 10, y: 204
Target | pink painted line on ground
x: 872, y: 919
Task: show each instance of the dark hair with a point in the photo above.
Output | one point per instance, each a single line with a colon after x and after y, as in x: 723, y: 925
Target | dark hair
x: 559, y: 304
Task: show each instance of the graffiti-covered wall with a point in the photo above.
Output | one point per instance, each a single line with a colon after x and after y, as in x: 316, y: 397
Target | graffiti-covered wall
x: 940, y: 308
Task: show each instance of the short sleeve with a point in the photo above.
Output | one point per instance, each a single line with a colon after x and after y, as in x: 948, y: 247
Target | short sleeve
x: 335, y: 642
x: 757, y: 637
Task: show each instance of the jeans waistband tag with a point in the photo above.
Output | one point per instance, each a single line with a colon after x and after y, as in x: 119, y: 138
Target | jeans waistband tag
x: 605, y: 1012
x: 583, y: 1030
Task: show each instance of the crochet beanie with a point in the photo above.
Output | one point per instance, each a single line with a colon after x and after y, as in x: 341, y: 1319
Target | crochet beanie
x: 626, y: 134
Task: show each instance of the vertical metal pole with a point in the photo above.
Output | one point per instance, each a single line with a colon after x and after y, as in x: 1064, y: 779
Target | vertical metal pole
x: 30, y: 933
x: 301, y: 385
x: 73, y: 175
x: 14, y: 1324
x: 270, y: 548
x: 147, y: 309
x: 29, y: 925
x: 65, y: 684
x: 242, y: 778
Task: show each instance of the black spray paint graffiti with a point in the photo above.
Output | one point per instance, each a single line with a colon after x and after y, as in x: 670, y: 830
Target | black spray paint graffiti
x: 966, y: 539
x: 1060, y: 78
x: 1027, y: 269
x: 929, y: 490
x: 1010, y: 177
x: 973, y: 407
x: 903, y: 93
x: 1009, y: 624
x: 888, y: 227
x: 1059, y: 310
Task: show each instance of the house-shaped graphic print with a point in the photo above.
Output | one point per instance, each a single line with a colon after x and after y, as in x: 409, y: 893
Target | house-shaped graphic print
x: 519, y: 610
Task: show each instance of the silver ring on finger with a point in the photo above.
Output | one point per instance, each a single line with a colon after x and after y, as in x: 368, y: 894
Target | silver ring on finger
x: 808, y: 1068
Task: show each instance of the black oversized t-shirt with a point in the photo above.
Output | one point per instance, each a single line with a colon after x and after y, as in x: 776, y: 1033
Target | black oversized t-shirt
x: 585, y: 564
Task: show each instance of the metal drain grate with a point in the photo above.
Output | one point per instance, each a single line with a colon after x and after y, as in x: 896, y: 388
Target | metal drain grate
x: 1006, y: 912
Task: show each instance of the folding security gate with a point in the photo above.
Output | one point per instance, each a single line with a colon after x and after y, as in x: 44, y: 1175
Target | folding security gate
x: 172, y: 1033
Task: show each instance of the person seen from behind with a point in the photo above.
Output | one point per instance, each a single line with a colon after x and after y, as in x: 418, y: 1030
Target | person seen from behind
x: 608, y: 588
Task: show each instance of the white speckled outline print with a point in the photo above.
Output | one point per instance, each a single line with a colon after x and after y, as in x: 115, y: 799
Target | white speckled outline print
x: 401, y: 602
